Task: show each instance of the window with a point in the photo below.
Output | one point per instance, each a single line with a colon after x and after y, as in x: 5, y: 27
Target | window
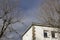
x: 45, y: 34
x: 53, y: 34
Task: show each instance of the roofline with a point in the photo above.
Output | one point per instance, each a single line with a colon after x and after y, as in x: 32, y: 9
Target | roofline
x: 27, y: 30
x: 38, y: 24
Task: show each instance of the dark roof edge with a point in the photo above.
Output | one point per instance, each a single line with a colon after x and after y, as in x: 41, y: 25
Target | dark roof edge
x: 26, y: 30
x: 38, y: 24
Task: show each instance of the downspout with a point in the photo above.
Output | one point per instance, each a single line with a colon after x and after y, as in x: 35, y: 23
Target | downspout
x: 33, y: 33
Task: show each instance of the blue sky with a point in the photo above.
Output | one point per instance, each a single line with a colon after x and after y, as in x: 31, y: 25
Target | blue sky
x: 29, y: 4
x: 30, y: 9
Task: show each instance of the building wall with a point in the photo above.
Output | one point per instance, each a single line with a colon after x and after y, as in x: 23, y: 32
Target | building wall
x: 39, y: 33
x: 28, y: 35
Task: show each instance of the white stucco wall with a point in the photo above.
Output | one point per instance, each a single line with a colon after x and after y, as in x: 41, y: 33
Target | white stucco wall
x: 39, y: 34
x: 28, y: 35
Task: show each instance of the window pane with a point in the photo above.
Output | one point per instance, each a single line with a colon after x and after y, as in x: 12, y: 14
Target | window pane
x: 45, y: 33
x: 53, y: 34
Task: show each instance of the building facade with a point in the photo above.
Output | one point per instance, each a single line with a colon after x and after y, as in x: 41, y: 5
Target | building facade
x: 42, y: 33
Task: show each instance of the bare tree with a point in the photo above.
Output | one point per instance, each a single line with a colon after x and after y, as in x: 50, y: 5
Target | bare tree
x: 8, y: 14
x: 50, y: 12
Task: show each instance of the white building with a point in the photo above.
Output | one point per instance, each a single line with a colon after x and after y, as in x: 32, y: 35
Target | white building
x: 37, y: 32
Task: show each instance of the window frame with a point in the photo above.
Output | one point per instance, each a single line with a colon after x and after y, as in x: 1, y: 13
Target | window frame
x: 45, y: 33
x: 54, y: 33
